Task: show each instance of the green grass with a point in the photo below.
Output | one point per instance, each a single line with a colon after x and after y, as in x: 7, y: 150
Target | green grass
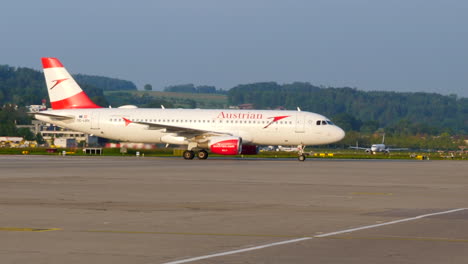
x: 178, y: 99
x: 169, y: 152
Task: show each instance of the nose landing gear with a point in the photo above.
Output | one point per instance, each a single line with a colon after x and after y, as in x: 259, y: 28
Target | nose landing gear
x: 300, y: 150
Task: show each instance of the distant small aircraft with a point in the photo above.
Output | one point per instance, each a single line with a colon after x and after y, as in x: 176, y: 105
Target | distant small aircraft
x: 378, y: 147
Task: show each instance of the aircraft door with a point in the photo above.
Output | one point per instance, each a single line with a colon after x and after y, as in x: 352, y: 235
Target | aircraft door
x: 95, y: 120
x: 300, y: 122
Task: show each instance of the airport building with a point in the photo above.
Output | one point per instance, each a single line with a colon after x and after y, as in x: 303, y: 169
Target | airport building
x: 59, y: 136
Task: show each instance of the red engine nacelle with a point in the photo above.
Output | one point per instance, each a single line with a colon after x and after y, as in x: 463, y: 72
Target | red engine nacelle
x: 225, y: 145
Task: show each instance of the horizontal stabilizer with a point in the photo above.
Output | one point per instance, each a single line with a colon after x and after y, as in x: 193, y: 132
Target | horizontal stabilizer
x: 53, y: 116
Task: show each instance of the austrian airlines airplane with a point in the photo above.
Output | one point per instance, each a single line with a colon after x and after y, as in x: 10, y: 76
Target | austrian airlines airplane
x: 221, y: 131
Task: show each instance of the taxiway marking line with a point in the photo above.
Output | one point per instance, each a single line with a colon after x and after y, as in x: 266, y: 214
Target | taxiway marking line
x: 185, y: 233
x: 431, y: 239
x: 389, y: 223
x: 311, y: 237
x: 239, y: 250
x: 25, y: 229
x: 370, y: 193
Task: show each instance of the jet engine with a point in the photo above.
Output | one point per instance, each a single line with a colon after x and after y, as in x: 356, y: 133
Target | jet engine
x: 225, y: 145
x: 249, y: 150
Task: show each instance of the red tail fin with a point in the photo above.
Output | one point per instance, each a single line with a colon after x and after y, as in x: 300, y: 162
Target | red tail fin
x: 64, y: 92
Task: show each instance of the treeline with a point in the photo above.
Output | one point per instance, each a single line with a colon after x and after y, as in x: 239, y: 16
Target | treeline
x: 105, y: 83
x: 144, y: 101
x: 444, y: 141
x: 354, y: 110
x: 20, y: 87
x: 24, y: 86
x: 191, y: 88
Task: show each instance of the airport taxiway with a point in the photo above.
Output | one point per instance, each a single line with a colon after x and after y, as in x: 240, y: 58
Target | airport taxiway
x: 167, y: 210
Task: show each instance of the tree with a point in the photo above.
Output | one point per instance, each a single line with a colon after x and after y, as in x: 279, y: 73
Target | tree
x: 39, y: 139
x: 26, y: 133
x: 347, y: 122
x: 181, y: 88
x: 148, y: 87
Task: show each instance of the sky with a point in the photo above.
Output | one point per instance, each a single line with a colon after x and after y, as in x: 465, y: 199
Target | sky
x: 398, y: 45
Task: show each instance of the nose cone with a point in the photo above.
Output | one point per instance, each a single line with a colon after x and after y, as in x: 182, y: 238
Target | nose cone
x: 339, y: 134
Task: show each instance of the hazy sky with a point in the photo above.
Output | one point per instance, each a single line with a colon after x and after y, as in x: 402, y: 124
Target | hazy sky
x: 398, y: 45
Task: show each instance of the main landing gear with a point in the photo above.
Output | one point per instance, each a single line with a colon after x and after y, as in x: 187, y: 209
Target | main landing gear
x: 189, y: 154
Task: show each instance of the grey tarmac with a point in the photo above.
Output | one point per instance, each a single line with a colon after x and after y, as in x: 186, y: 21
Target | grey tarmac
x: 76, y: 209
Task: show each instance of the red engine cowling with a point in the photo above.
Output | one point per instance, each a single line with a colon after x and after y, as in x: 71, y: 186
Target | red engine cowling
x: 225, y: 145
x: 249, y: 150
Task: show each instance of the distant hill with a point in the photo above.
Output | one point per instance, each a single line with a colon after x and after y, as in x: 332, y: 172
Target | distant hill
x: 358, y: 110
x: 352, y: 109
x: 168, y: 99
x: 106, y: 83
x: 24, y: 86
x: 191, y: 88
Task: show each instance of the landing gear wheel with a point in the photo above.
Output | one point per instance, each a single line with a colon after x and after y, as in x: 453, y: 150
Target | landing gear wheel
x: 188, y: 155
x: 202, y: 154
x: 301, y: 157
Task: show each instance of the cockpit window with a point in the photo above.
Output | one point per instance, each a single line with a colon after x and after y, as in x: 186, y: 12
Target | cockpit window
x: 329, y: 122
x: 318, y: 122
x: 324, y: 122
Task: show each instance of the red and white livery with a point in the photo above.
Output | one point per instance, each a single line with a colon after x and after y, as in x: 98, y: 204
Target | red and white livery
x: 64, y: 92
x: 221, y: 131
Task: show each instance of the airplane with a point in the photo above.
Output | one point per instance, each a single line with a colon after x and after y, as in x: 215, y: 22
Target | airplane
x: 221, y: 131
x: 378, y: 147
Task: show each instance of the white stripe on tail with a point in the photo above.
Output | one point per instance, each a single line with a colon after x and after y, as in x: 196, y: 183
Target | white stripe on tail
x: 64, y: 92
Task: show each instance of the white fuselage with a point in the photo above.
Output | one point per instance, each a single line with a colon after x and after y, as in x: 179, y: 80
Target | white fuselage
x: 260, y: 127
x: 378, y: 148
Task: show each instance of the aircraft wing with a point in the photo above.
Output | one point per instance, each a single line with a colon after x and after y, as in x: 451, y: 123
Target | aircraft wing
x: 358, y: 148
x: 179, y: 130
x: 53, y: 116
x: 393, y: 149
